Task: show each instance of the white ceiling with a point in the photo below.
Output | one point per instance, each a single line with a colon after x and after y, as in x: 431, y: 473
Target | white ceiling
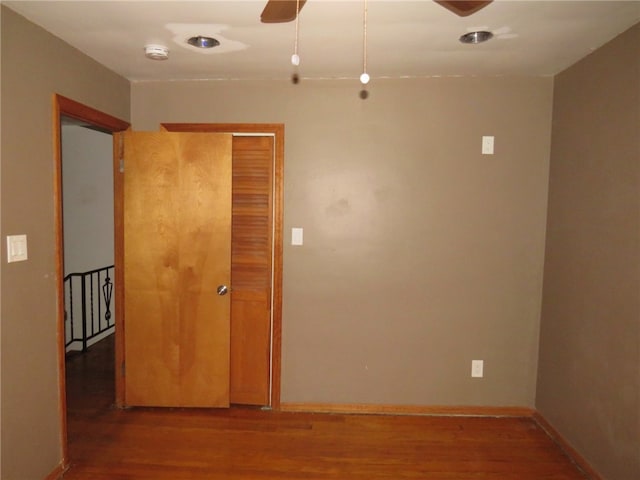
x: 405, y: 38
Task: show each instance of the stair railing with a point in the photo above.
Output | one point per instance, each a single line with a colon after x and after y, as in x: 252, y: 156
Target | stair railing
x: 87, y: 305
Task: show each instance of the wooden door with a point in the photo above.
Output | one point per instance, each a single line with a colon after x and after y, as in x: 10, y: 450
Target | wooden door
x: 251, y: 269
x: 177, y: 251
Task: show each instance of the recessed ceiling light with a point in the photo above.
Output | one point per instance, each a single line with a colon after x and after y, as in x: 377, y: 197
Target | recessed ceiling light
x: 156, y: 52
x: 203, y: 42
x: 476, y: 37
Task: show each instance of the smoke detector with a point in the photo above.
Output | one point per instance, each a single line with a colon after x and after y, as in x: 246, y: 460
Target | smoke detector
x: 156, y: 52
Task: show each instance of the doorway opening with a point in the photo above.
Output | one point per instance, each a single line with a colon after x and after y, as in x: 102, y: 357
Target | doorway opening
x: 88, y: 253
x: 87, y: 214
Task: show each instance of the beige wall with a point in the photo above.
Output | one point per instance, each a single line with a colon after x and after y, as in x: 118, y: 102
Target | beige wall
x: 589, y: 380
x: 420, y: 253
x: 35, y: 65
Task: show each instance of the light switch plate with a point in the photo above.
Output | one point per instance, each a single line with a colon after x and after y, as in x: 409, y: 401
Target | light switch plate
x: 477, y: 368
x: 16, y: 248
x: 296, y: 236
x: 487, y: 145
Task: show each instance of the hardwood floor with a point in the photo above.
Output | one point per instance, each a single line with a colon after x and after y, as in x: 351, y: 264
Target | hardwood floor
x: 244, y: 443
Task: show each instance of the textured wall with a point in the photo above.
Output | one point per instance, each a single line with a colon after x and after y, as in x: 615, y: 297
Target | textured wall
x: 589, y: 380
x: 35, y: 65
x: 420, y: 253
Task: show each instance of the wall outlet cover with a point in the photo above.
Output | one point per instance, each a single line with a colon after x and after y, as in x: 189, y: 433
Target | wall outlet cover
x: 487, y: 145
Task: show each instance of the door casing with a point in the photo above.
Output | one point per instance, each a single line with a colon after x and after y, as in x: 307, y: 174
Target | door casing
x: 63, y: 106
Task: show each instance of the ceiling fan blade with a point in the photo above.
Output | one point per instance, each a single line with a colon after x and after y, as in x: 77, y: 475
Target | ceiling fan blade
x: 280, y: 11
x: 464, y: 8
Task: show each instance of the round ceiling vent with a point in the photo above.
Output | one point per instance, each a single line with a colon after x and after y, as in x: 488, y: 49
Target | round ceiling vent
x: 156, y: 52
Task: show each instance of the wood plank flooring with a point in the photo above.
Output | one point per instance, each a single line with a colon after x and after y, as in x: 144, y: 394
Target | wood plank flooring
x: 244, y: 443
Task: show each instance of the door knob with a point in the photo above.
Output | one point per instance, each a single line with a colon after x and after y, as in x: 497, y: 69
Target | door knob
x: 222, y: 290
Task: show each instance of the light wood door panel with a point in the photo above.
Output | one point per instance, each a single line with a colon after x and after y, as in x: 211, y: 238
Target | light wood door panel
x: 177, y: 250
x: 252, y: 240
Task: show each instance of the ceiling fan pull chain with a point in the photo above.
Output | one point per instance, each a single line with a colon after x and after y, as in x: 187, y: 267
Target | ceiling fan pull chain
x: 295, y: 58
x: 364, y: 78
x: 364, y: 39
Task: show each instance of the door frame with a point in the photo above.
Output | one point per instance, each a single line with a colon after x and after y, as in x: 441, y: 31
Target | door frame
x: 63, y: 106
x: 277, y: 130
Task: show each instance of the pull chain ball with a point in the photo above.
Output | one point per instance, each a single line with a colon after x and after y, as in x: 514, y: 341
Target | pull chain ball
x: 364, y: 79
x: 295, y: 61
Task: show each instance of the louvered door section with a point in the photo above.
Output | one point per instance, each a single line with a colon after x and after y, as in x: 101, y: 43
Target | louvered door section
x: 251, y: 257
